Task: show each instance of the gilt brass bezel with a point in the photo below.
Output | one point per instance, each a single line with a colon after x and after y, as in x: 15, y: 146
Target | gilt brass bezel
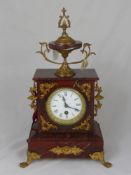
x: 57, y: 120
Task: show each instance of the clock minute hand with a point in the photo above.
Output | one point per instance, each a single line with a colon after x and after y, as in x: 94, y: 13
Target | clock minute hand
x: 65, y: 104
x: 63, y: 98
x: 64, y: 101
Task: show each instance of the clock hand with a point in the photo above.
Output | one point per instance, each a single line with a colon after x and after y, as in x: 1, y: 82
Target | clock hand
x: 73, y: 108
x: 63, y: 98
x: 76, y: 109
x: 67, y: 106
x: 64, y: 101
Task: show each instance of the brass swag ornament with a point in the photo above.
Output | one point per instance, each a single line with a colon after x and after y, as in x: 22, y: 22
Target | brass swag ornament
x: 66, y: 150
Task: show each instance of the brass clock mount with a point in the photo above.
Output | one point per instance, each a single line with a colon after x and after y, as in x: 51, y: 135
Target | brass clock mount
x: 65, y: 45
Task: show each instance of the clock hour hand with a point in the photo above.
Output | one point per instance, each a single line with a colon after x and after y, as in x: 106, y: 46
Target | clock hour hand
x: 67, y: 106
x: 76, y: 109
x: 73, y: 108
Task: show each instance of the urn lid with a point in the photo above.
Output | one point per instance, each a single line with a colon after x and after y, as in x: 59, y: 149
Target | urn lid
x: 64, y: 42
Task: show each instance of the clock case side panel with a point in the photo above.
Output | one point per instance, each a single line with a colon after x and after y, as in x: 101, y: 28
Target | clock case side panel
x: 80, y: 126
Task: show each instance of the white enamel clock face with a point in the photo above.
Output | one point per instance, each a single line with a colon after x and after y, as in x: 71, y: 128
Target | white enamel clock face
x: 66, y: 106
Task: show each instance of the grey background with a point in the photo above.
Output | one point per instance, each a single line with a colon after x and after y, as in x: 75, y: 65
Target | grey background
x: 104, y: 23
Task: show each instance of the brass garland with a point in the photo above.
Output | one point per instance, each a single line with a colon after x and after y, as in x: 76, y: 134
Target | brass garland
x: 45, y: 88
x: 46, y: 126
x: 98, y: 97
x: 66, y: 150
x: 30, y: 157
x: 85, y: 125
x: 85, y: 88
x: 33, y: 96
x: 100, y: 156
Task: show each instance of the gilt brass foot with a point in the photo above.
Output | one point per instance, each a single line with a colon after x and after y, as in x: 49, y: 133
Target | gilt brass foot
x: 100, y: 156
x: 30, y: 157
x: 24, y: 164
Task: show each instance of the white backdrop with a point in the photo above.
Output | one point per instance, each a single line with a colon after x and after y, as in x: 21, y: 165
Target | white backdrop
x: 104, y: 23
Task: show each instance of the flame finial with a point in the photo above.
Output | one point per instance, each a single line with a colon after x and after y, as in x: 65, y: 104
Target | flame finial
x: 64, y: 21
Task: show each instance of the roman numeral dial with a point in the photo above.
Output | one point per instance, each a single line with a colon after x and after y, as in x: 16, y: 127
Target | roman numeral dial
x: 66, y: 106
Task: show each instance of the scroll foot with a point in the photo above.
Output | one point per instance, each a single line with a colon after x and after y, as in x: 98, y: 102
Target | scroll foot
x: 30, y: 157
x: 24, y: 164
x: 100, y: 156
x: 106, y: 164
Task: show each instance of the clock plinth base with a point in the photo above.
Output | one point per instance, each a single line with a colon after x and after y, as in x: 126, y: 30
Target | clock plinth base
x: 65, y: 145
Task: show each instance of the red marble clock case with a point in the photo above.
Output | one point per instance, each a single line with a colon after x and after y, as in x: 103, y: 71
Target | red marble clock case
x: 65, y: 83
x: 41, y: 103
x: 41, y: 142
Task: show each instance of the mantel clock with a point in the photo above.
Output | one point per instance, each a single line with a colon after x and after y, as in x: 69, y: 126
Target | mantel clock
x: 65, y: 102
